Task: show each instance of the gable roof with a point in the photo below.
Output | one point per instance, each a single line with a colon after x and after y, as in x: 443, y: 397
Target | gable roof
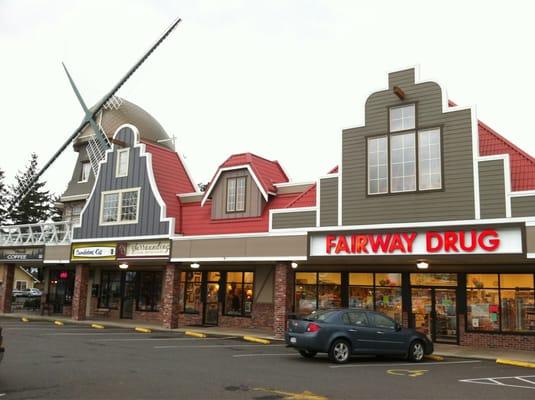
x: 264, y: 172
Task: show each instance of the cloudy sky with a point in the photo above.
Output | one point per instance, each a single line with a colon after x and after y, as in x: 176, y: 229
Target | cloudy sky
x: 277, y: 78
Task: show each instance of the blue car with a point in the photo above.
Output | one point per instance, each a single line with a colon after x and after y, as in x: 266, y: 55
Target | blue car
x: 344, y: 332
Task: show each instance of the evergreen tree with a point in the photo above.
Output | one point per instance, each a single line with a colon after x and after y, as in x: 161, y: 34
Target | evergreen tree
x: 4, y: 199
x: 36, y: 206
x: 56, y: 213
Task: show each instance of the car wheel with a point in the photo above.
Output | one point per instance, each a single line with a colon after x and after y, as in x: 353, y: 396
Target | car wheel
x: 416, y: 351
x: 340, y: 351
x: 308, y: 353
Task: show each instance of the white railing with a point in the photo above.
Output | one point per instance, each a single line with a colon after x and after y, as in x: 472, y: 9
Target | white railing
x: 36, y: 234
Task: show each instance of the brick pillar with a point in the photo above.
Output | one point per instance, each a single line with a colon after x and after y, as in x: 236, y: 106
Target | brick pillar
x: 282, y: 300
x: 171, y: 287
x: 6, y: 288
x: 79, y: 298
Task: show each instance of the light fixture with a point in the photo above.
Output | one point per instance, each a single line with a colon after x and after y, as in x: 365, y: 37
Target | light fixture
x: 195, y: 265
x: 422, y: 265
x: 294, y: 265
x: 123, y: 266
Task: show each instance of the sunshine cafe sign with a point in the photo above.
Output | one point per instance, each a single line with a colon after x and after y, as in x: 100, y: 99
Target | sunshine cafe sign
x: 459, y: 241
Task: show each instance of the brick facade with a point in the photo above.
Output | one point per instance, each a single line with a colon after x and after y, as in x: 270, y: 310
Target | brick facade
x: 79, y: 298
x: 6, y: 288
x: 171, y: 286
x: 282, y: 298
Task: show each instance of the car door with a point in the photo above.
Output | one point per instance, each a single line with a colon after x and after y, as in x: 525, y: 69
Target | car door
x: 388, y: 339
x: 359, y: 330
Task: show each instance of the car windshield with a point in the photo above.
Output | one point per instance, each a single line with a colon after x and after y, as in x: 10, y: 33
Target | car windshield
x: 319, y: 316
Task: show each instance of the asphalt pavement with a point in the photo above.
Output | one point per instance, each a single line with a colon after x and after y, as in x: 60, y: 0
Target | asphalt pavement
x: 45, y: 361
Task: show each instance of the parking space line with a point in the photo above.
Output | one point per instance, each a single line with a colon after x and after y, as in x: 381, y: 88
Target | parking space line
x: 90, y: 334
x: 497, y: 381
x: 264, y: 355
x: 215, y: 346
x: 404, y: 364
x: 521, y: 378
x: 156, y: 338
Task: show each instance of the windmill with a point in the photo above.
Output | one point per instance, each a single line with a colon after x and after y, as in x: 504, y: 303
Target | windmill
x: 98, y: 142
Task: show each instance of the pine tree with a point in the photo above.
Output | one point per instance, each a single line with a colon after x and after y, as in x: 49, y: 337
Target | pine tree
x: 56, y: 213
x: 4, y: 199
x: 36, y: 205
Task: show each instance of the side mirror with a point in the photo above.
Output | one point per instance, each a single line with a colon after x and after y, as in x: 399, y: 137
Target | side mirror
x: 398, y: 327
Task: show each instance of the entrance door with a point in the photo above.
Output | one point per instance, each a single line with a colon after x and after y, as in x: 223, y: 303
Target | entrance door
x: 128, y: 294
x: 211, y: 306
x: 434, y: 313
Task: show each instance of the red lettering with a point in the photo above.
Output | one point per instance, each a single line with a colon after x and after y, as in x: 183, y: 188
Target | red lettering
x: 353, y: 244
x: 431, y: 247
x: 396, y: 244
x: 362, y: 241
x: 378, y: 241
x: 330, y: 243
x: 409, y: 240
x: 490, y: 244
x: 473, y: 241
x: 341, y: 245
x: 450, y: 241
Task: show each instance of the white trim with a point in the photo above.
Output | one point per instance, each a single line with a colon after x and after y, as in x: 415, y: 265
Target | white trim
x: 506, y: 177
x: 192, y: 194
x: 118, y: 162
x: 291, y: 184
x: 244, y: 258
x: 120, y: 239
x: 530, y: 255
x: 522, y: 193
x: 238, y: 235
x: 120, y: 192
x: 220, y: 170
x: 56, y: 261
x: 74, y: 197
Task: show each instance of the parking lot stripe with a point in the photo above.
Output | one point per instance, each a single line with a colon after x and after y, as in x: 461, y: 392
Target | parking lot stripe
x: 215, y: 346
x: 264, y: 355
x: 91, y: 334
x: 526, y: 380
x: 404, y: 364
x: 157, y: 338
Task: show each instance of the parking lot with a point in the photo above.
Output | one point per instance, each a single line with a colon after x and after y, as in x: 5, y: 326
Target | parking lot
x: 45, y: 361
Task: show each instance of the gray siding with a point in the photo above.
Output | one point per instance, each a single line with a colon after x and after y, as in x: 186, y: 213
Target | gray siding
x: 454, y: 202
x: 301, y: 219
x: 254, y: 201
x: 149, y: 210
x: 329, y: 202
x: 523, y: 206
x: 492, y: 189
x: 74, y: 187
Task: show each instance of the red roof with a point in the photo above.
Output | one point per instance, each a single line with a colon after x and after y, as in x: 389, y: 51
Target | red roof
x: 171, y: 178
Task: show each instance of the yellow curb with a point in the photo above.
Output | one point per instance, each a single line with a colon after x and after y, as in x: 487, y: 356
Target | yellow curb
x: 143, y: 330
x: 515, y: 363
x: 24, y: 319
x: 256, y: 340
x: 195, y: 334
x: 97, y: 326
x: 433, y: 357
x: 59, y: 323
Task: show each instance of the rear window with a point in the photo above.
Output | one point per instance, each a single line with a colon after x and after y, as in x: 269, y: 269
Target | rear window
x: 320, y: 316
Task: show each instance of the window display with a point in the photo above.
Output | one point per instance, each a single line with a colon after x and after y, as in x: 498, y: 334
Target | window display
x: 239, y: 293
x: 317, y: 291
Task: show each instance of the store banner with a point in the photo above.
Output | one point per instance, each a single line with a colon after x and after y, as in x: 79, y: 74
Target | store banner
x: 22, y: 254
x: 145, y: 249
x: 506, y: 240
x: 94, y: 251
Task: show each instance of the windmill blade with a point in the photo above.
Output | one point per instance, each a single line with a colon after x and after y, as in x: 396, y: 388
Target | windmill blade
x: 91, y: 113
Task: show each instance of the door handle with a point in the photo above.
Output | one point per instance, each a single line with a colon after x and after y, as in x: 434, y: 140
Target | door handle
x: 380, y: 332
x: 352, y: 330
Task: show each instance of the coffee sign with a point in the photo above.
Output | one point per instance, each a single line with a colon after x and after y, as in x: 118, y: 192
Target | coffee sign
x: 94, y: 251
x: 146, y: 249
x: 21, y: 254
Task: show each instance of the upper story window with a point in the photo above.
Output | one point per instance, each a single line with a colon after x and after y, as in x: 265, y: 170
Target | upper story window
x: 407, y: 159
x: 119, y: 207
x: 84, y: 173
x: 121, y: 167
x: 236, y: 194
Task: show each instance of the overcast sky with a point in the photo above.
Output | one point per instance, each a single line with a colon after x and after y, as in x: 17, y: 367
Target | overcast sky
x: 277, y: 78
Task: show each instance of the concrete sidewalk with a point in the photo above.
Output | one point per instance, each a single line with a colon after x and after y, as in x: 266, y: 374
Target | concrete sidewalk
x: 451, y: 350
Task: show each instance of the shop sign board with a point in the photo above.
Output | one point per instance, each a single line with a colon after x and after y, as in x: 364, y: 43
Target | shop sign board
x: 504, y: 240
x: 22, y: 254
x: 144, y: 249
x: 94, y: 251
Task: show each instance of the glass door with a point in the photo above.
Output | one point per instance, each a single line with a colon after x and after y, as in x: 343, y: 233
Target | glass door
x: 445, y: 315
x: 128, y: 294
x: 211, y: 306
x: 422, y: 310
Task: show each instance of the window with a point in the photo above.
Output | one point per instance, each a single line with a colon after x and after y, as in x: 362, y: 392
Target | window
x: 430, y: 172
x: 413, y: 156
x: 191, y: 281
x: 382, y: 322
x: 355, y: 318
x: 110, y: 289
x: 236, y: 194
x: 119, y: 207
x: 402, y: 118
x: 84, y: 173
x: 501, y: 302
x: 150, y: 291
x: 121, y: 166
x: 377, y: 165
x: 317, y: 291
x: 403, y: 162
x: 239, y: 294
x: 21, y: 285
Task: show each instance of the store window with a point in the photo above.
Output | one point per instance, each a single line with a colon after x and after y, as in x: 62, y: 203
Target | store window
x: 150, y: 291
x: 239, y: 294
x: 110, y: 289
x: 433, y: 279
x: 501, y: 302
x: 315, y: 290
x: 192, y: 292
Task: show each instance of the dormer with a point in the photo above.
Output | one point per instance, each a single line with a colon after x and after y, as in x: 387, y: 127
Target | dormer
x: 242, y: 186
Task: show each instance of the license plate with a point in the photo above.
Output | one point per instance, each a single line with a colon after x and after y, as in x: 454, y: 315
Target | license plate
x: 293, y: 340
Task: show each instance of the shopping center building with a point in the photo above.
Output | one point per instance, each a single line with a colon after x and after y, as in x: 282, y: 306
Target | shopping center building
x: 429, y: 217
